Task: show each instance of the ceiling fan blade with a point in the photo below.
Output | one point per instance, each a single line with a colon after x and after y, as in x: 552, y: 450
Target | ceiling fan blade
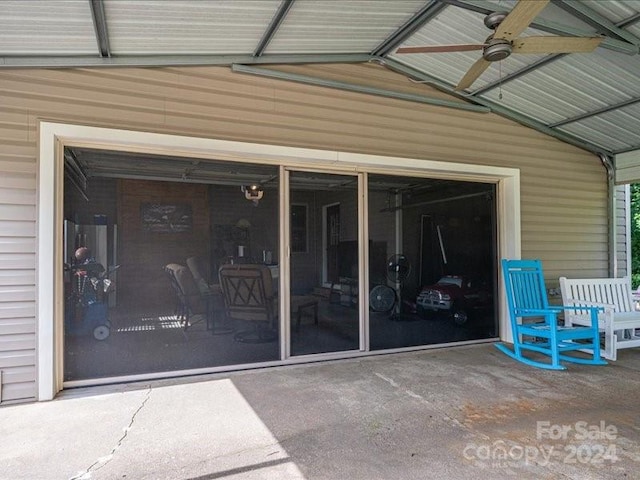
x: 463, y: 47
x: 519, y: 18
x: 556, y: 44
x: 472, y: 74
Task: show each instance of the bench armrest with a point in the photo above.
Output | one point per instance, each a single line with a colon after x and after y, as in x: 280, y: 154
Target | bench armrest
x: 536, y: 312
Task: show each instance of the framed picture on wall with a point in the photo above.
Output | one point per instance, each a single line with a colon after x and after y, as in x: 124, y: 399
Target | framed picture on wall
x: 166, y: 218
x: 299, y: 220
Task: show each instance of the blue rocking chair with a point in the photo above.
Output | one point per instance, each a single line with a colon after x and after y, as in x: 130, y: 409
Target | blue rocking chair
x: 534, y: 323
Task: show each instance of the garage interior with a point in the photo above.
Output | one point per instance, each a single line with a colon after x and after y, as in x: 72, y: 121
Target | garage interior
x: 138, y: 213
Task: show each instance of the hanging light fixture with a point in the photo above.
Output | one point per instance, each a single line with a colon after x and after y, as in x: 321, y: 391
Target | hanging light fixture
x: 253, y: 192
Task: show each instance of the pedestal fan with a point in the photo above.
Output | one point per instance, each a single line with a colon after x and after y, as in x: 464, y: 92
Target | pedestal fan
x: 398, y: 270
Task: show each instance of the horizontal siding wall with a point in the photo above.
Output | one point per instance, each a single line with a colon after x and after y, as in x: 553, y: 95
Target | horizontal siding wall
x: 623, y: 230
x: 564, y: 189
x: 17, y: 255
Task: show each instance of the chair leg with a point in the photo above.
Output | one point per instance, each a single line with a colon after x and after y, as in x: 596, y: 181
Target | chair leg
x: 300, y: 311
x: 610, y: 344
x: 555, y: 358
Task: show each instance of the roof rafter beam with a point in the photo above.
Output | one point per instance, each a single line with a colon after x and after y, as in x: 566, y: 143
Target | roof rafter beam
x: 496, y: 108
x: 100, y: 27
x: 322, y: 82
x: 273, y: 27
x: 174, y: 60
x: 519, y: 73
x: 554, y: 28
x: 597, y: 21
x: 594, y: 113
x: 421, y: 18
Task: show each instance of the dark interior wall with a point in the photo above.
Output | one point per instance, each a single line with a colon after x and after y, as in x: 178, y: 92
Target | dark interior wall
x: 348, y: 224
x: 96, y: 206
x: 229, y: 206
x: 411, y: 234
x: 466, y: 227
x: 143, y: 253
x: 382, y: 235
x: 381, y: 221
x: 304, y: 265
x: 101, y: 194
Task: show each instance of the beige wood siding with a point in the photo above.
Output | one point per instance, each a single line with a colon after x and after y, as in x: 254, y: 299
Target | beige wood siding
x: 564, y: 189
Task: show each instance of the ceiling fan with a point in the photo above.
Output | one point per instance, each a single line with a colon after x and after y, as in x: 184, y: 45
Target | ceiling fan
x: 505, y: 41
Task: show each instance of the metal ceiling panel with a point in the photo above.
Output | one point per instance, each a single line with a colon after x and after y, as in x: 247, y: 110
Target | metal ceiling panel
x: 635, y: 29
x: 220, y: 32
x: 54, y: 27
x: 328, y: 26
x: 619, y: 12
x: 454, y: 26
x: 573, y: 85
x: 173, y: 27
x: 616, y: 130
x: 534, y: 99
x: 614, y: 10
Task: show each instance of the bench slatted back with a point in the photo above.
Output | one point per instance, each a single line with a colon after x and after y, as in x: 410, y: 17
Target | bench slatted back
x: 614, y: 291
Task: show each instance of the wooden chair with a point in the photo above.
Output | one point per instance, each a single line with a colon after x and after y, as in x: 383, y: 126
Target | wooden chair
x: 534, y: 323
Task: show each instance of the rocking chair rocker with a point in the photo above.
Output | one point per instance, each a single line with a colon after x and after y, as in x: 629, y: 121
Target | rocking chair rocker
x: 527, y: 300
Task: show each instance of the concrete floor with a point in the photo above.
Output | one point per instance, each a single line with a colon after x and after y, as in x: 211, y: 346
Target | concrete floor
x: 147, y: 341
x: 458, y: 413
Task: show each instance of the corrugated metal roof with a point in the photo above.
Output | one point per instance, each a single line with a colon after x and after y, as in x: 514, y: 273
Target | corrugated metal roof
x: 590, y: 99
x: 619, y: 129
x: 55, y: 27
x: 327, y: 26
x: 616, y: 11
x: 572, y: 85
x: 179, y: 27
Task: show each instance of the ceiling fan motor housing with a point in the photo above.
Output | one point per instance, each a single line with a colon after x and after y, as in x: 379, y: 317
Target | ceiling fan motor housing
x: 496, y: 49
x: 494, y: 19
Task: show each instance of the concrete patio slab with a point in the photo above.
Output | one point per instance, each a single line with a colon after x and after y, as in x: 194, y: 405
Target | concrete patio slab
x: 463, y: 413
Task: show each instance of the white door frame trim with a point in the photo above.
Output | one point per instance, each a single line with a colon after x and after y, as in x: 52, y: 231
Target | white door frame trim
x: 53, y: 137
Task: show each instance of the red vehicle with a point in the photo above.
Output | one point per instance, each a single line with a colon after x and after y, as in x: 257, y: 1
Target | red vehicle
x: 455, y: 295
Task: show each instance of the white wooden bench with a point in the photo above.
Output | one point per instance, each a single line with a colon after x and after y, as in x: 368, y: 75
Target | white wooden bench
x: 618, y: 321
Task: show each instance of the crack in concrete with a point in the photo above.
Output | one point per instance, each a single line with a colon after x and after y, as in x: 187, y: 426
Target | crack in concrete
x: 103, y: 461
